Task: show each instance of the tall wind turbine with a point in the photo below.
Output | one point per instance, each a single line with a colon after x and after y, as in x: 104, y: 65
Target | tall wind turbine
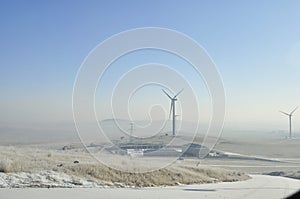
x: 290, y: 119
x: 173, y: 100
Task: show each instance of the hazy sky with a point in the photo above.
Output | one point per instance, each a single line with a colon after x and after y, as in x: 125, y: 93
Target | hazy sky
x: 255, y: 45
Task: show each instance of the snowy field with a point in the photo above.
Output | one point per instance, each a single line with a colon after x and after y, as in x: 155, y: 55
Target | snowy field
x: 47, y: 171
x: 40, y: 167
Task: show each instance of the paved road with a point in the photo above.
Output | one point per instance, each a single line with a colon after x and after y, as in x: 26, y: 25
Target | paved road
x: 258, y: 187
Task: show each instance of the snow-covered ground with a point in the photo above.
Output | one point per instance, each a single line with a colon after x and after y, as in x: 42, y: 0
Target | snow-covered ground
x: 45, y: 179
x: 260, y: 186
x: 48, y: 167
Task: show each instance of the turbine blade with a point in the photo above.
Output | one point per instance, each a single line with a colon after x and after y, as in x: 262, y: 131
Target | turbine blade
x: 284, y: 113
x: 294, y: 110
x: 178, y: 93
x: 171, y: 108
x: 166, y: 93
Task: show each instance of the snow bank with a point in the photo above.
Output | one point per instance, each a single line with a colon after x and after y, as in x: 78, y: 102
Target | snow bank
x: 44, y: 179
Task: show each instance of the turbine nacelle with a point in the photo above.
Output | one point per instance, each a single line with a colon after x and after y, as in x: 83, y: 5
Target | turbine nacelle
x: 289, y: 114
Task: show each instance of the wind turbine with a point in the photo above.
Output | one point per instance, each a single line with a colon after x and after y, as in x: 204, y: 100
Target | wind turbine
x: 290, y: 119
x: 173, y: 100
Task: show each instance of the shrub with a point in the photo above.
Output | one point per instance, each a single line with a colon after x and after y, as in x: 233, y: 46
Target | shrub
x: 5, y: 166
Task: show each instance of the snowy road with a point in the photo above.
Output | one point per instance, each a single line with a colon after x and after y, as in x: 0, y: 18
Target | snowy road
x: 259, y: 186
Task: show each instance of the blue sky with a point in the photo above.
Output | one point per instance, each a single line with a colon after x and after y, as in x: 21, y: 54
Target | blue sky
x: 255, y: 45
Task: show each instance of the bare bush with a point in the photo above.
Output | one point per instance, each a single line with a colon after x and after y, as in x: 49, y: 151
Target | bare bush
x: 5, y: 166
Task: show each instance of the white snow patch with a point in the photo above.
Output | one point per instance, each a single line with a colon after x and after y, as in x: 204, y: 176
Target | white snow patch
x: 45, y: 179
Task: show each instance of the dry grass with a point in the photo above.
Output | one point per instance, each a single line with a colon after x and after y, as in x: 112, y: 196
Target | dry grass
x: 33, y: 159
x: 172, y: 175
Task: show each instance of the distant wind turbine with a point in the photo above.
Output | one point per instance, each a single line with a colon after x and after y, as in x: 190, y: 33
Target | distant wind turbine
x: 173, y: 100
x: 290, y: 119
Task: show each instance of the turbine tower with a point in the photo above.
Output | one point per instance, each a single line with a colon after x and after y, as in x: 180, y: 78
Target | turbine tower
x: 290, y: 119
x: 173, y: 100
